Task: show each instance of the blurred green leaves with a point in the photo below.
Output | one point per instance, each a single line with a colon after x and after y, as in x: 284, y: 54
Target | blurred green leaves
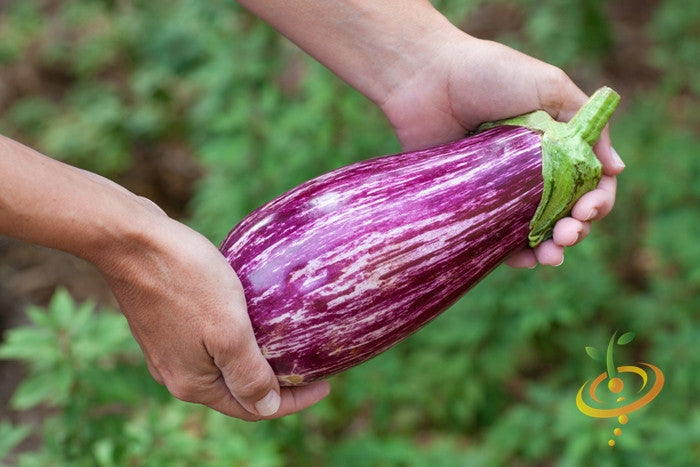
x: 569, y: 32
x: 10, y: 436
x: 64, y: 353
x: 676, y: 29
x: 490, y: 382
x: 102, y: 407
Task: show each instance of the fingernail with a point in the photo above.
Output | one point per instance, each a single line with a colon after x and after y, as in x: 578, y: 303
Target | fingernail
x: 591, y: 215
x: 560, y: 262
x: 617, y: 160
x: 268, y: 405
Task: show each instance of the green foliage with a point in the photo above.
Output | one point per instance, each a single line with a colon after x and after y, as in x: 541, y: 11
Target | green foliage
x: 569, y: 32
x: 10, y: 436
x: 593, y: 353
x: 490, y: 382
x: 677, y: 48
x: 62, y: 352
x: 86, y: 371
x: 626, y: 338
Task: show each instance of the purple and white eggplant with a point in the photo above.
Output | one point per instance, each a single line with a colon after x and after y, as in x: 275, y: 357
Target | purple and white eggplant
x: 346, y: 265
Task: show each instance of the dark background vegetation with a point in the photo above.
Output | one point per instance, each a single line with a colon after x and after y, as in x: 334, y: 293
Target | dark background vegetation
x: 207, y: 111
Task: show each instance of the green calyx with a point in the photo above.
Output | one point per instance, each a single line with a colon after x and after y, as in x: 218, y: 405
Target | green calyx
x: 570, y: 168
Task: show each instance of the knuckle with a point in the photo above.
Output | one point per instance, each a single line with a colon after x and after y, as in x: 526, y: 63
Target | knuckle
x: 183, y: 392
x: 158, y: 379
x: 253, y: 386
x: 609, y: 185
x: 155, y: 374
x: 556, y: 90
x: 245, y: 369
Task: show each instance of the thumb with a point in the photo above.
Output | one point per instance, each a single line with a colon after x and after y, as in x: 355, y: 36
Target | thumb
x: 231, y: 343
x: 248, y: 375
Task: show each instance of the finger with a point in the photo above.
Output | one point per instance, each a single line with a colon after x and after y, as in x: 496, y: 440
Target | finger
x: 246, y: 373
x: 549, y: 253
x: 150, y: 364
x: 299, y: 398
x: 207, y: 388
x: 569, y: 231
x: 524, y: 258
x: 153, y: 370
x: 215, y: 395
x: 608, y: 157
x: 561, y: 98
x: 293, y: 400
x: 597, y: 203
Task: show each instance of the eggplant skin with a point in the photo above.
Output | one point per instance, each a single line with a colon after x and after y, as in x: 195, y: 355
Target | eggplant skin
x: 346, y: 265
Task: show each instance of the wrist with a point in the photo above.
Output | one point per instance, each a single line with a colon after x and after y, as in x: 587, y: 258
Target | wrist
x: 373, y: 46
x: 49, y: 203
x: 129, y: 232
x: 400, y: 50
x: 396, y: 47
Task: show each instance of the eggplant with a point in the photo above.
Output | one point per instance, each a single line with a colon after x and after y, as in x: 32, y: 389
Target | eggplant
x: 344, y: 266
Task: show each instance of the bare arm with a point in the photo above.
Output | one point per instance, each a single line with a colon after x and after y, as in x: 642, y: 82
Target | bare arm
x: 184, y: 304
x: 435, y: 82
x: 49, y: 203
x: 372, y: 45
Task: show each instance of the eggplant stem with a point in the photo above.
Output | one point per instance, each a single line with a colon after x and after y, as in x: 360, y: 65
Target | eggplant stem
x: 570, y: 168
x: 591, y: 119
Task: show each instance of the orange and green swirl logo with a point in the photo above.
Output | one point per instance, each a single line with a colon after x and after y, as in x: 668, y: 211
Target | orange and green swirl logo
x: 628, y: 388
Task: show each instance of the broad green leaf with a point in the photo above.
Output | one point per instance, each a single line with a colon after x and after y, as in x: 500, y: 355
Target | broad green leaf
x: 62, y: 309
x: 39, y: 316
x: 49, y: 380
x: 10, y: 436
x: 593, y: 353
x: 103, y: 450
x: 31, y: 344
x: 33, y: 391
x: 626, y: 338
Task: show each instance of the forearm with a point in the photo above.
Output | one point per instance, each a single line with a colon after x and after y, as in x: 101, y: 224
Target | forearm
x: 371, y: 45
x: 49, y: 203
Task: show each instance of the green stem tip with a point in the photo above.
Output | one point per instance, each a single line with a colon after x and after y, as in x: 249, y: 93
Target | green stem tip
x: 570, y: 168
x: 592, y: 117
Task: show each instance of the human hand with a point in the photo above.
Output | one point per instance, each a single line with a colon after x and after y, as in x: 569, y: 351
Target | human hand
x: 467, y: 82
x: 183, y: 302
x: 187, y: 310
x: 435, y: 83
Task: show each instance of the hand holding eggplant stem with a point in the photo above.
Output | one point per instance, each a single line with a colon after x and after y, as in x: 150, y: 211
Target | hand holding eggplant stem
x: 435, y: 83
x: 184, y: 304
x: 484, y: 81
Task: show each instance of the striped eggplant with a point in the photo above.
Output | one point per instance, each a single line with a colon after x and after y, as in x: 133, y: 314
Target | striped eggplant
x: 346, y: 265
